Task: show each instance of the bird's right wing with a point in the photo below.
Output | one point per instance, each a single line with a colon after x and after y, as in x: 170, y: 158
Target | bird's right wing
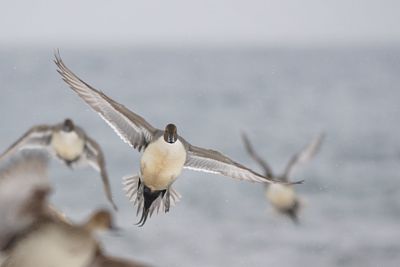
x: 255, y: 156
x: 132, y: 128
x: 36, y: 137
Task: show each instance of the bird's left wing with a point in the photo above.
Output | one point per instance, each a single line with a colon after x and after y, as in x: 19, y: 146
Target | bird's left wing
x: 207, y: 160
x: 304, y: 155
x: 95, y: 158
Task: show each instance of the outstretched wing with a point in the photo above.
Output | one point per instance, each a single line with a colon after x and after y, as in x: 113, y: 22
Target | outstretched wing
x: 132, y: 128
x: 95, y: 158
x: 303, y: 156
x: 24, y: 188
x: 207, y: 160
x: 36, y: 137
x: 256, y: 157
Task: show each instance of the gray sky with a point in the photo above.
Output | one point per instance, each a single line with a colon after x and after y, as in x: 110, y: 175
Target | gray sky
x: 274, y: 22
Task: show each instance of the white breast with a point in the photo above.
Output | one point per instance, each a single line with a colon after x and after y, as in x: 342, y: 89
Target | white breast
x: 67, y: 146
x: 49, y: 247
x: 281, y: 196
x: 161, y: 163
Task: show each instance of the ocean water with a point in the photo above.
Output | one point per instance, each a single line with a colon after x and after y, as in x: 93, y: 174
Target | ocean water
x: 282, y: 98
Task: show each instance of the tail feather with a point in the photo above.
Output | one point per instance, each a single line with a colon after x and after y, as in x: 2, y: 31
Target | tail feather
x: 130, y: 187
x: 175, y: 196
x: 139, y: 207
x: 143, y: 218
x: 134, y: 191
x: 156, y: 206
x: 293, y: 212
x: 131, y: 192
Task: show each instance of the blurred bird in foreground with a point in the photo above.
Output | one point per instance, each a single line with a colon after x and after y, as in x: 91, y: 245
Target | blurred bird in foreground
x: 283, y: 196
x: 34, y: 233
x: 67, y: 142
x: 106, y: 261
x: 58, y: 243
x: 24, y: 188
x: 165, y: 153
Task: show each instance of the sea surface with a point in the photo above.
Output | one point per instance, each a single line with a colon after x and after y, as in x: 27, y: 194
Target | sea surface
x: 282, y: 98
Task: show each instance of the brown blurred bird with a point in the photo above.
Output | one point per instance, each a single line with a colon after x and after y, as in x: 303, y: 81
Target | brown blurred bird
x: 24, y: 188
x: 69, y: 143
x: 282, y: 196
x: 56, y: 243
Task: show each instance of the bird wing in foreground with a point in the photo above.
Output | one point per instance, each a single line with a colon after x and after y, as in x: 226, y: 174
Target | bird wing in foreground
x: 24, y: 187
x: 132, y: 128
x: 206, y: 160
x: 36, y: 137
x: 256, y: 157
x: 95, y: 157
x: 107, y: 261
x: 304, y: 155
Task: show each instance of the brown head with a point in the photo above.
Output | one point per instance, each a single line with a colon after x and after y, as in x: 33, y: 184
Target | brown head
x: 100, y: 220
x: 170, y: 133
x: 36, y: 204
x: 68, y: 126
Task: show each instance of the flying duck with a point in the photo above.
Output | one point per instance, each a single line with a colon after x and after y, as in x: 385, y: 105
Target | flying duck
x: 165, y: 153
x: 24, y: 188
x: 283, y: 196
x: 54, y: 242
x: 69, y: 143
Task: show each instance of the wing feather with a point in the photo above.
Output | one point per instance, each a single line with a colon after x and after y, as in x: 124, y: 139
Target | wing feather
x: 95, y: 158
x: 36, y: 137
x: 132, y: 128
x: 211, y: 161
x: 304, y: 155
x: 253, y: 154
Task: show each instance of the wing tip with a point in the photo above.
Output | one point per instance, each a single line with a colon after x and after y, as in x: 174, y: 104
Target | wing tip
x: 272, y: 181
x: 57, y: 56
x: 115, y: 207
x: 297, y: 182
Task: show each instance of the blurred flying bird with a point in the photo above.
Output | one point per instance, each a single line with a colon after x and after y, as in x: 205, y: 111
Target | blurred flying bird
x: 67, y: 142
x: 282, y: 196
x: 24, y: 187
x: 52, y: 242
x: 165, y: 153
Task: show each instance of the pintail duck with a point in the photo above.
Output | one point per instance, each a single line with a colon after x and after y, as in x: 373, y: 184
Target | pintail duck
x: 283, y: 196
x: 165, y: 153
x: 67, y: 142
x: 52, y: 242
x: 24, y: 188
